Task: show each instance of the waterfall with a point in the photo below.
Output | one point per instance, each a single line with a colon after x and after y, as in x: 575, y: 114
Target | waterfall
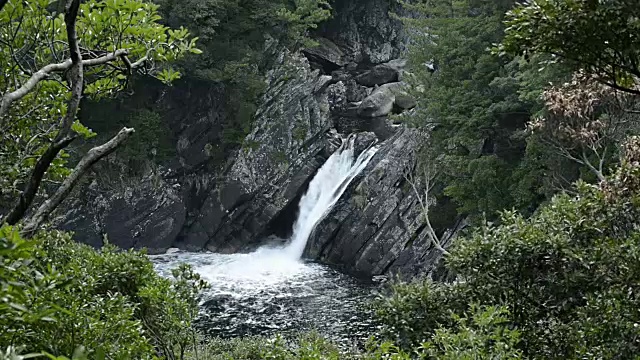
x: 325, y: 190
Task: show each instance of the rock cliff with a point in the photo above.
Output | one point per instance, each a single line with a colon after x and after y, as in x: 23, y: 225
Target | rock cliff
x: 349, y: 83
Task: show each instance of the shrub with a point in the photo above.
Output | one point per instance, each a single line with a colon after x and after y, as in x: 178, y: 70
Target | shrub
x: 58, y: 295
x: 569, y: 275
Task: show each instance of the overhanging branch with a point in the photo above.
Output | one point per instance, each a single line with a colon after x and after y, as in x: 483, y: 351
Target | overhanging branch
x: 43, y: 73
x: 31, y: 189
x: 90, y: 158
x: 64, y: 137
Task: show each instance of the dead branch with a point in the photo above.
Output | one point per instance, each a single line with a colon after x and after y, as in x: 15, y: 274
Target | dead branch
x: 90, y: 158
x: 424, y: 205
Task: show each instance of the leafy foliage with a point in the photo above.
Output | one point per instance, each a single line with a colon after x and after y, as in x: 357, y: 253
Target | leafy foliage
x: 567, y: 275
x: 475, y: 104
x: 58, y: 295
x: 33, y: 36
x: 232, y: 35
x: 598, y: 36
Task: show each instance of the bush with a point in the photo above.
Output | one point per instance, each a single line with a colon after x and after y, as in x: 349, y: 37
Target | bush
x: 58, y: 295
x: 569, y: 275
x: 308, y: 346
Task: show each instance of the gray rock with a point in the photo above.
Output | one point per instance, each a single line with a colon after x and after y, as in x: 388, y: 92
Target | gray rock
x: 145, y: 215
x: 355, y: 92
x: 326, y: 55
x: 397, y: 64
x: 365, y: 31
x: 266, y: 180
x: 380, y: 74
x: 404, y: 101
x: 381, y: 100
x: 377, y: 227
x: 384, y: 99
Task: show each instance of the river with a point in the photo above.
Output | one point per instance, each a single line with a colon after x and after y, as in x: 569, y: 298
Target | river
x: 273, y: 290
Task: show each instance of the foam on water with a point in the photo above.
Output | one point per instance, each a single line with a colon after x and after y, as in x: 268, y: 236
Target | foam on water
x: 272, y: 289
x: 325, y: 190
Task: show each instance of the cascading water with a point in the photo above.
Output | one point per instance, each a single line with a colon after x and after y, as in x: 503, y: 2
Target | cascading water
x: 271, y: 290
x: 325, y: 190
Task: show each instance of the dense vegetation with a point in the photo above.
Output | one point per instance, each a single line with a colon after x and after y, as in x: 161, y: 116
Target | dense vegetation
x: 239, y: 40
x: 65, y: 298
x: 511, y: 95
x: 531, y: 111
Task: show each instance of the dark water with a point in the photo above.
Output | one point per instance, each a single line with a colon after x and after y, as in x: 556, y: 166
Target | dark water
x: 267, y: 293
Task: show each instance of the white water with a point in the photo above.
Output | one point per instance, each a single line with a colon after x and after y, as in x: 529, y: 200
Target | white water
x: 324, y: 191
x: 272, y: 288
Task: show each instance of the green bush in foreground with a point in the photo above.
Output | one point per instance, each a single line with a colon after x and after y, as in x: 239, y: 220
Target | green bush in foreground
x: 57, y: 296
x: 569, y: 276
x: 481, y: 335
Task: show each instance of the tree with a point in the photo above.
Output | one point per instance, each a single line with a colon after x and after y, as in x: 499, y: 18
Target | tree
x: 51, y: 60
x: 475, y: 105
x: 585, y: 121
x: 600, y: 37
x: 568, y: 275
x: 59, y: 296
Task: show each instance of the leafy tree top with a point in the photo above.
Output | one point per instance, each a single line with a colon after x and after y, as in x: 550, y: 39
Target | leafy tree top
x: 603, y: 37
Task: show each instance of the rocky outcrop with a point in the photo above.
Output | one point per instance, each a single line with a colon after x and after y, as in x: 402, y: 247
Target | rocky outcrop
x: 377, y: 227
x: 348, y: 84
x: 288, y: 144
x: 147, y: 215
x: 366, y: 32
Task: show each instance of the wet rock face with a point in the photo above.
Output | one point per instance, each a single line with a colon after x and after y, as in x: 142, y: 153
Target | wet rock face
x: 349, y: 84
x: 377, y: 227
x: 290, y: 141
x: 148, y: 215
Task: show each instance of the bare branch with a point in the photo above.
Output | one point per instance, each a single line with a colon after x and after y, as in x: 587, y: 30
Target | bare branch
x: 593, y: 169
x: 90, y: 158
x: 424, y: 205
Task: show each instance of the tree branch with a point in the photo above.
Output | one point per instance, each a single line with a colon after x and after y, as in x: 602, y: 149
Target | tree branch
x: 90, y: 158
x: 63, y: 138
x: 43, y: 73
x: 620, y: 87
x: 593, y: 169
x: 77, y: 69
x: 31, y: 189
x: 424, y: 205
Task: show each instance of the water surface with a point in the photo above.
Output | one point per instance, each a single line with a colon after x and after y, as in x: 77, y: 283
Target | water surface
x: 268, y: 293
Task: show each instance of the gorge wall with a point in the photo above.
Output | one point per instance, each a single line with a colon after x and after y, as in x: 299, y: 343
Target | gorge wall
x: 349, y: 83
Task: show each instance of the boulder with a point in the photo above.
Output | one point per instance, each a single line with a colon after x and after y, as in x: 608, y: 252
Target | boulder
x: 379, y: 75
x: 384, y: 99
x: 326, y: 55
x: 381, y: 100
x: 397, y: 64
x: 404, y: 101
